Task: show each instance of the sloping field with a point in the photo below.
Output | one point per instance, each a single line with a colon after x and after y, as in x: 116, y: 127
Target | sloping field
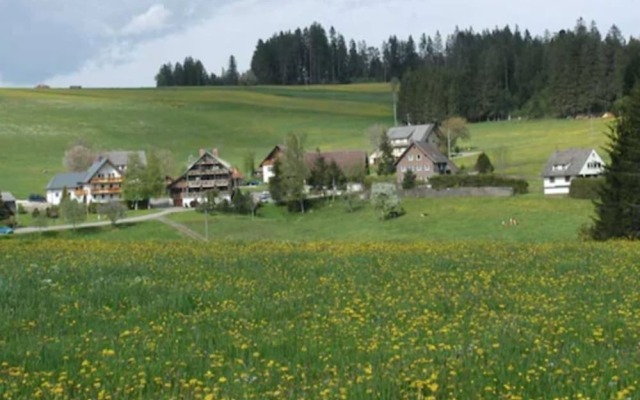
x: 36, y: 126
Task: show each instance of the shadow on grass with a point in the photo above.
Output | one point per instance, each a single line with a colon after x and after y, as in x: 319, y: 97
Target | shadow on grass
x: 83, y: 232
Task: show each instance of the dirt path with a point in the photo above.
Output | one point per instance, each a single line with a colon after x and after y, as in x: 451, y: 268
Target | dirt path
x: 182, y: 229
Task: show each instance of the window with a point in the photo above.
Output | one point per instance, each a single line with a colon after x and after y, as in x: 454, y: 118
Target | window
x: 403, y: 169
x: 552, y: 180
x: 410, y: 157
x: 567, y: 179
x: 57, y: 194
x: 427, y: 167
x: 419, y: 157
x: 419, y: 168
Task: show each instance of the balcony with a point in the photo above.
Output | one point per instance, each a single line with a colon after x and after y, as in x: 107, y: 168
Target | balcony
x: 208, y: 184
x: 105, y: 180
x: 96, y: 191
x: 207, y: 171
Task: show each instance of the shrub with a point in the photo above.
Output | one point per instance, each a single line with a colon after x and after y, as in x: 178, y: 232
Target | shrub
x: 585, y: 188
x: 519, y: 186
x: 21, y: 209
x: 370, y: 180
x: 384, y: 199
x: 35, y: 213
x: 409, y: 180
x: 483, y: 164
x: 52, y: 212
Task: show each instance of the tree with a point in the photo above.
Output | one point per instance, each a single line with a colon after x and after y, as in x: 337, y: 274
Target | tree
x: 40, y: 220
x: 73, y: 212
x: 232, y: 76
x: 294, y: 171
x: 250, y: 163
x: 113, y: 210
x: 395, y: 87
x: 386, y: 163
x: 618, y: 208
x: 319, y: 174
x: 335, y: 177
x: 409, y: 180
x: 5, y: 211
x: 133, y: 187
x: 78, y: 158
x: 276, y: 189
x: 483, y: 164
x: 153, y: 178
x: 384, y: 199
x: 454, y: 128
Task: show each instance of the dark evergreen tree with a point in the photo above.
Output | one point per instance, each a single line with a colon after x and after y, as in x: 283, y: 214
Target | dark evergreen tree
x: 318, y: 175
x: 232, y: 75
x: 276, y: 189
x: 386, y: 163
x: 618, y: 209
x: 483, y: 164
x: 408, y: 180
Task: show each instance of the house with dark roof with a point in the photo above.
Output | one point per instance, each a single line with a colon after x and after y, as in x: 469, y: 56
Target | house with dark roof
x: 101, y: 183
x: 400, y: 137
x: 424, y: 160
x: 209, y: 172
x: 353, y: 163
x: 120, y: 159
x: 9, y: 200
x: 566, y: 165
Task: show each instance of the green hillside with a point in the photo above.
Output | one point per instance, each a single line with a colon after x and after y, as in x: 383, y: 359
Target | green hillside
x: 36, y: 126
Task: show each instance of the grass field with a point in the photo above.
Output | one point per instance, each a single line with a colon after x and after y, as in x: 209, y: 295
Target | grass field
x: 319, y: 320
x: 36, y: 126
x: 467, y: 219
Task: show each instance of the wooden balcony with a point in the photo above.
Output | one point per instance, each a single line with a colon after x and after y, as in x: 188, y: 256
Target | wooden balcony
x: 96, y: 191
x: 105, y: 180
x: 208, y: 171
x: 209, y: 184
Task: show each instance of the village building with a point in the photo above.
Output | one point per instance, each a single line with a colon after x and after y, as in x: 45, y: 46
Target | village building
x: 120, y: 159
x: 424, y: 160
x: 9, y: 200
x: 354, y: 164
x: 209, y: 172
x: 401, y: 137
x: 101, y: 183
x: 566, y: 165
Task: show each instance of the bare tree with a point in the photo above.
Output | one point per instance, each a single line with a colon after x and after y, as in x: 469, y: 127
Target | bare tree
x: 78, y: 158
x: 454, y: 128
x: 113, y: 210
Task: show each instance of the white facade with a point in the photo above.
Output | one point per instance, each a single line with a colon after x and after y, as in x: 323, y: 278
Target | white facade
x: 267, y: 173
x: 54, y: 197
x: 105, y: 185
x: 560, y: 184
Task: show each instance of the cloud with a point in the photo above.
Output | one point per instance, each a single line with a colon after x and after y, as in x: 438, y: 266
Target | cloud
x: 152, y: 20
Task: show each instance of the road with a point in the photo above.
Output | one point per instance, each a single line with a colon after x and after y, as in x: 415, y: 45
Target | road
x: 141, y: 218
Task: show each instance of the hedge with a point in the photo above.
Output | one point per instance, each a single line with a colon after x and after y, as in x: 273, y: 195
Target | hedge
x: 520, y: 186
x: 585, y: 188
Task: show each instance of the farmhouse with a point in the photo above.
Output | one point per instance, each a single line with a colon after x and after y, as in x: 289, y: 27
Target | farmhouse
x: 101, y: 183
x: 9, y: 200
x: 401, y: 137
x: 566, y: 165
x: 425, y: 160
x: 353, y: 163
x: 207, y: 173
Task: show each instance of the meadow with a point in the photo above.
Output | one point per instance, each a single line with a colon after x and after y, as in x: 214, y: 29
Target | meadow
x: 319, y: 320
x: 36, y: 126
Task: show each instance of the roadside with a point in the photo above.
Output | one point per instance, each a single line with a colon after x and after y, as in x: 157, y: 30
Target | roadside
x: 141, y: 218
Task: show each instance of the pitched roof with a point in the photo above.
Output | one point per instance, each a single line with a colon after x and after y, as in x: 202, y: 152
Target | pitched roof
x: 226, y: 164
x: 349, y: 161
x: 68, y: 180
x: 430, y: 152
x: 416, y: 133
x: 572, y: 159
x: 122, y: 157
x: 95, y: 167
x: 7, y: 196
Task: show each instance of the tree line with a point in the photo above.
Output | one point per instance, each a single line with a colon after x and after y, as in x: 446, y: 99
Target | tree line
x: 192, y: 72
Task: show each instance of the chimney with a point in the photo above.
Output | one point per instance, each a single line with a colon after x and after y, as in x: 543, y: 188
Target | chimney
x: 201, y: 152
x: 214, y: 152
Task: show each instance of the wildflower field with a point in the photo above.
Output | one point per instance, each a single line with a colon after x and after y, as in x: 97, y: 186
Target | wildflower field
x: 319, y: 320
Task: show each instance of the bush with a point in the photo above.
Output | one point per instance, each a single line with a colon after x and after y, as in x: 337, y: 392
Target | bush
x: 21, y: 209
x: 370, y: 180
x: 52, y: 212
x: 519, y: 186
x: 35, y: 213
x: 92, y: 208
x: 585, y: 188
x: 384, y: 198
x: 409, y: 180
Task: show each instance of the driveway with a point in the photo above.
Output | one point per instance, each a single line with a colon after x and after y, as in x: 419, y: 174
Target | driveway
x: 142, y: 218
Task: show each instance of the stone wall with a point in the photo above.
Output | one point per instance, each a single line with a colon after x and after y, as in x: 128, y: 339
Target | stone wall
x: 424, y: 192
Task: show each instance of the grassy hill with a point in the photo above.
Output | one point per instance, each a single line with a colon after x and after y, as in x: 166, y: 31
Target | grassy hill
x: 36, y: 126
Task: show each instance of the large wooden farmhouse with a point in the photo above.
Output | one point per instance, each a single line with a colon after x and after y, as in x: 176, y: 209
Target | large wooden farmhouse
x: 100, y: 184
x: 209, y: 172
x: 401, y: 137
x: 425, y: 161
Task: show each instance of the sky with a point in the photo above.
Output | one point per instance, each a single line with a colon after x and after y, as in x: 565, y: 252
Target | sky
x: 122, y: 43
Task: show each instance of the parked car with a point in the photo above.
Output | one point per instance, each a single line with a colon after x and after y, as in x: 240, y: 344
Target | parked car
x: 37, y: 198
x: 6, y: 230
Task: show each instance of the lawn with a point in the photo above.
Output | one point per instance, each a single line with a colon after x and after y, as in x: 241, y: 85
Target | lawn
x: 319, y: 320
x: 469, y: 219
x: 36, y: 126
x: 123, y: 232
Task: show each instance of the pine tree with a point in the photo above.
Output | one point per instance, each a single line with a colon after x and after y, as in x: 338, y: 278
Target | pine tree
x: 618, y: 209
x: 483, y: 164
x: 408, y: 180
x: 386, y: 165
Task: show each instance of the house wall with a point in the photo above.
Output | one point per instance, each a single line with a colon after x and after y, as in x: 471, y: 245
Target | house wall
x: 420, y: 164
x: 557, y: 185
x: 593, y: 166
x: 267, y: 173
x: 54, y: 197
x: 114, y: 186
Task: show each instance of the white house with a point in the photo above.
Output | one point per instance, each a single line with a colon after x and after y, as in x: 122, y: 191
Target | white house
x: 100, y: 184
x: 564, y: 166
x: 401, y: 137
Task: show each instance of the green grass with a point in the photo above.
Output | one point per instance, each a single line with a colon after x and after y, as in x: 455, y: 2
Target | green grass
x: 36, y: 126
x: 319, y: 320
x: 468, y: 219
x: 124, y: 232
x: 27, y: 220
